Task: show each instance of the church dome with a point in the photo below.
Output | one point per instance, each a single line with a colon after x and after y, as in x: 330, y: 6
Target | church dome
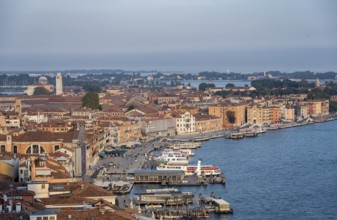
x: 43, y: 80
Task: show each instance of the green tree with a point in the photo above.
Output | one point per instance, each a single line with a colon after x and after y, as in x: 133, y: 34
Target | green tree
x: 229, y: 85
x: 204, y: 86
x: 317, y: 94
x: 92, y: 88
x: 91, y: 100
x: 41, y: 91
x: 333, y: 106
x: 231, y: 117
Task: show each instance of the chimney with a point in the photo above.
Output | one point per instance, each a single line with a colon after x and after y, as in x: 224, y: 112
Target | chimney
x: 82, y: 186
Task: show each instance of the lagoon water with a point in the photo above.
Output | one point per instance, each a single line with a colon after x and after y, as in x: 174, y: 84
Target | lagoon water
x: 283, y: 174
x: 217, y: 83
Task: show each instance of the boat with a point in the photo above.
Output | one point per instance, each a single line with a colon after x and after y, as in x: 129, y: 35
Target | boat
x: 206, y: 170
x: 171, y: 158
x: 250, y: 134
x: 259, y: 129
x: 177, y: 152
x: 237, y: 135
x: 200, y: 170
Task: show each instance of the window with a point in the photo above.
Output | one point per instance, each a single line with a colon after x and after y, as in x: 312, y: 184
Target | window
x: 45, y: 218
x: 38, y: 218
x: 56, y: 147
x: 2, y: 149
x: 43, y: 186
x: 35, y: 149
x: 52, y: 218
x: 15, y: 149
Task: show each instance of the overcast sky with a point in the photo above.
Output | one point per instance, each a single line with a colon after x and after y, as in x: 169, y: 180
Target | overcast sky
x: 188, y: 35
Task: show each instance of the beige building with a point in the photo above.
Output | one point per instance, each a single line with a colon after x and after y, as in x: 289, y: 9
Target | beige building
x: 114, y: 91
x: 185, y: 123
x: 259, y: 115
x: 221, y: 112
x: 289, y: 114
x: 302, y: 111
x: 129, y: 131
x: 38, y: 142
x: 205, y: 123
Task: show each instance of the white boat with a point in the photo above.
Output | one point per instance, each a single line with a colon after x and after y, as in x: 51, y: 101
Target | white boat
x: 205, y: 170
x: 164, y: 166
x: 178, y: 152
x: 172, y: 159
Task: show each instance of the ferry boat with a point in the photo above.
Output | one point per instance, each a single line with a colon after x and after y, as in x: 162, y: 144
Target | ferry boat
x: 250, y: 134
x: 205, y: 170
x: 171, y: 158
x: 178, y: 152
x: 237, y: 135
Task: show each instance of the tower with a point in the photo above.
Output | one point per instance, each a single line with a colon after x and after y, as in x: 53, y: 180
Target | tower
x: 18, y: 107
x: 59, y: 86
x: 317, y: 83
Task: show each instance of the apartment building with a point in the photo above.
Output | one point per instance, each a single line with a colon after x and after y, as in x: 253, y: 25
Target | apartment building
x: 185, y: 123
x: 239, y: 111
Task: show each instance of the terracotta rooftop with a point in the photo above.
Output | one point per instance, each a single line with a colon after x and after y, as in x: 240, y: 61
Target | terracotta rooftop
x: 199, y: 117
x: 43, y: 136
x: 19, y: 192
x: 89, y: 190
x: 73, y: 200
x: 94, y: 213
x: 13, y: 216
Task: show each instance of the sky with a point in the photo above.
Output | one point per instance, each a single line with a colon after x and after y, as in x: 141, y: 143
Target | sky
x: 167, y: 35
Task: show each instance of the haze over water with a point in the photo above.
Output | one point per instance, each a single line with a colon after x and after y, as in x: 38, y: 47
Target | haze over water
x: 283, y: 174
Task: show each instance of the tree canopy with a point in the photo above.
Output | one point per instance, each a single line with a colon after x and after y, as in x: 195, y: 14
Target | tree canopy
x: 229, y: 85
x: 332, y: 106
x: 204, y: 86
x: 92, y: 88
x: 41, y: 91
x: 91, y: 100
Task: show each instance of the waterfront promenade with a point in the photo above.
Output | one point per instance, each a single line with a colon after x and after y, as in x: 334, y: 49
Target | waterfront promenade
x: 135, y: 158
